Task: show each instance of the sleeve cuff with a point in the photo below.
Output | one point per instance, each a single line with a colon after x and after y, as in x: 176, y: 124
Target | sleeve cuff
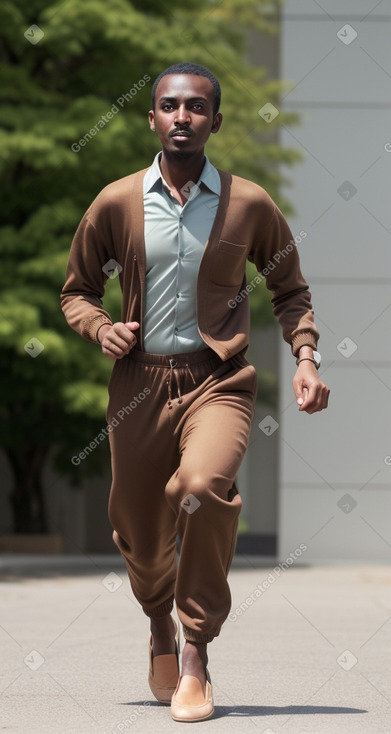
x: 304, y: 339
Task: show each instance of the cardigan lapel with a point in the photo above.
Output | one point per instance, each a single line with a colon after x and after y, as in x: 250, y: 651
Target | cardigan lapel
x: 215, y: 233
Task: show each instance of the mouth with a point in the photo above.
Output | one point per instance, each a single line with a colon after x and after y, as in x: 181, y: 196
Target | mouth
x: 180, y: 134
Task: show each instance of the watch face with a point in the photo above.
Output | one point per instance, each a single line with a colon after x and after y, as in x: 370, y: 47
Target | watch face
x: 317, y: 358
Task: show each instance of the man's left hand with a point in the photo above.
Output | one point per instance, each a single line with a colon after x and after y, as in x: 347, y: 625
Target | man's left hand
x: 311, y: 393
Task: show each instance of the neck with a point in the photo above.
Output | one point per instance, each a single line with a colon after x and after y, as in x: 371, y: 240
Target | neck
x: 179, y: 168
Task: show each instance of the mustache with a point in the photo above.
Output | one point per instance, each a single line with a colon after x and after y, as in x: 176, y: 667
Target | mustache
x: 183, y: 129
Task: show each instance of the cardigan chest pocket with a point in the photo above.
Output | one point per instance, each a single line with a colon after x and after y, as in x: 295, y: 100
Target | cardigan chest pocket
x: 229, y: 264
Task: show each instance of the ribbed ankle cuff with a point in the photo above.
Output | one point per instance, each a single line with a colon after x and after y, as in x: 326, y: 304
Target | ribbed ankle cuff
x: 193, y: 636
x: 160, y: 611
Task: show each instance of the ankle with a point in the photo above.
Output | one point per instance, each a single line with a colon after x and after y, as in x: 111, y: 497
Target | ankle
x: 162, y: 626
x: 196, y: 652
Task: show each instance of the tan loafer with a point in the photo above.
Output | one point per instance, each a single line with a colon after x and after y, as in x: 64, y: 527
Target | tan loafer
x: 186, y: 711
x: 164, y: 671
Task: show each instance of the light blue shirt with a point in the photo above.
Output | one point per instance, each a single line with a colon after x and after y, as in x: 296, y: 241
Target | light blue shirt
x: 175, y: 238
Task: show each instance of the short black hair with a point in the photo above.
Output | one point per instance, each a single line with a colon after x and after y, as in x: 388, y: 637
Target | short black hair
x: 188, y: 68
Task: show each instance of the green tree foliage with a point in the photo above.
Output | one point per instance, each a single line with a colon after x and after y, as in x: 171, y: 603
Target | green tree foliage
x: 54, y: 90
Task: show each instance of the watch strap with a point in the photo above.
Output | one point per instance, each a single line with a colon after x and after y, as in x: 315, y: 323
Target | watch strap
x: 307, y: 359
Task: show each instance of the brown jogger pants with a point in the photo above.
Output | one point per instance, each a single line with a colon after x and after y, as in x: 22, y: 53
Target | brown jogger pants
x: 180, y: 429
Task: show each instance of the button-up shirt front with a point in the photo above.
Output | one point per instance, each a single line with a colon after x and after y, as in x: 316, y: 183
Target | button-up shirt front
x: 175, y: 238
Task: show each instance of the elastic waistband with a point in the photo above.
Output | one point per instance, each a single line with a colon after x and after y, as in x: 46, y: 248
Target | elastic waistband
x: 181, y: 360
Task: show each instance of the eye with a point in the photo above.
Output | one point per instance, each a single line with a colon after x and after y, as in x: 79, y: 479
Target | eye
x: 167, y: 106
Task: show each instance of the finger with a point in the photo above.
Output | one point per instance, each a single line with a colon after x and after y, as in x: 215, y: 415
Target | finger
x: 132, y: 325
x: 116, y: 344
x: 319, y: 401
x: 302, y: 400
x: 310, y: 396
x: 298, y: 390
x: 122, y: 331
x: 122, y: 337
x: 116, y: 348
x: 108, y: 353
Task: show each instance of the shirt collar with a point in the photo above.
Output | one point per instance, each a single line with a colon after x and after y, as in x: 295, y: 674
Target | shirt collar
x: 209, y: 177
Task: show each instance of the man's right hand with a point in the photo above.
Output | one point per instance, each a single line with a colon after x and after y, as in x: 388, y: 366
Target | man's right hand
x: 118, y: 339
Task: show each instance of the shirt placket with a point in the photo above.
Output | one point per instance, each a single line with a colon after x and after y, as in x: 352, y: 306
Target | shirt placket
x: 179, y: 274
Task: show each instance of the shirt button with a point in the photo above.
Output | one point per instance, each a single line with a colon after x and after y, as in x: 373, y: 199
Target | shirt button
x: 178, y: 295
x: 176, y: 330
x: 181, y: 254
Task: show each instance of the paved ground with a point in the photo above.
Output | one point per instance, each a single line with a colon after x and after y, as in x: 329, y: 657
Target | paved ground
x: 309, y: 650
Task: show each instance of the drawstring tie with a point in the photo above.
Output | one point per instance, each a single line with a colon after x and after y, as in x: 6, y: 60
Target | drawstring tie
x: 189, y: 370
x: 173, y: 364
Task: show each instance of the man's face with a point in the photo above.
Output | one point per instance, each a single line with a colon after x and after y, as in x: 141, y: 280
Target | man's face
x: 183, y: 117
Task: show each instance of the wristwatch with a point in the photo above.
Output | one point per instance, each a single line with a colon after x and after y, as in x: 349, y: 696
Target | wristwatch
x: 316, y: 359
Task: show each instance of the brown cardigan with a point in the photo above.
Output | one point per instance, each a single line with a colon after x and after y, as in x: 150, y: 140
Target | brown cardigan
x: 248, y: 226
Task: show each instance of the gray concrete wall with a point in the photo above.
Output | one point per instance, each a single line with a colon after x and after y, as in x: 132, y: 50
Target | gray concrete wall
x: 258, y: 475
x: 335, y: 477
x: 79, y: 515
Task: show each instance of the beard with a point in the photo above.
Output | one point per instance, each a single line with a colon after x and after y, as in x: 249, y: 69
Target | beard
x: 178, y: 155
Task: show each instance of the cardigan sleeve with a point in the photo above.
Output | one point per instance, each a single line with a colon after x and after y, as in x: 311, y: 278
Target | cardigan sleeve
x: 276, y: 257
x: 91, y: 250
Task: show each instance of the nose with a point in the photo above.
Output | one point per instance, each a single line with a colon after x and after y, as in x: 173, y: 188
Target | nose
x: 182, y: 115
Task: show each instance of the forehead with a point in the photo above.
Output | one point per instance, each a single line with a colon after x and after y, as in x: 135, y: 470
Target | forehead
x: 184, y: 86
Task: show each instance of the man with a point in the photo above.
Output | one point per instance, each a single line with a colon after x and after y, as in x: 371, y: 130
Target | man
x: 181, y: 393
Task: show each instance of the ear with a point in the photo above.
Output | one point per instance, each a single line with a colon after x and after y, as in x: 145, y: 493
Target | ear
x: 217, y: 121
x: 151, y: 117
